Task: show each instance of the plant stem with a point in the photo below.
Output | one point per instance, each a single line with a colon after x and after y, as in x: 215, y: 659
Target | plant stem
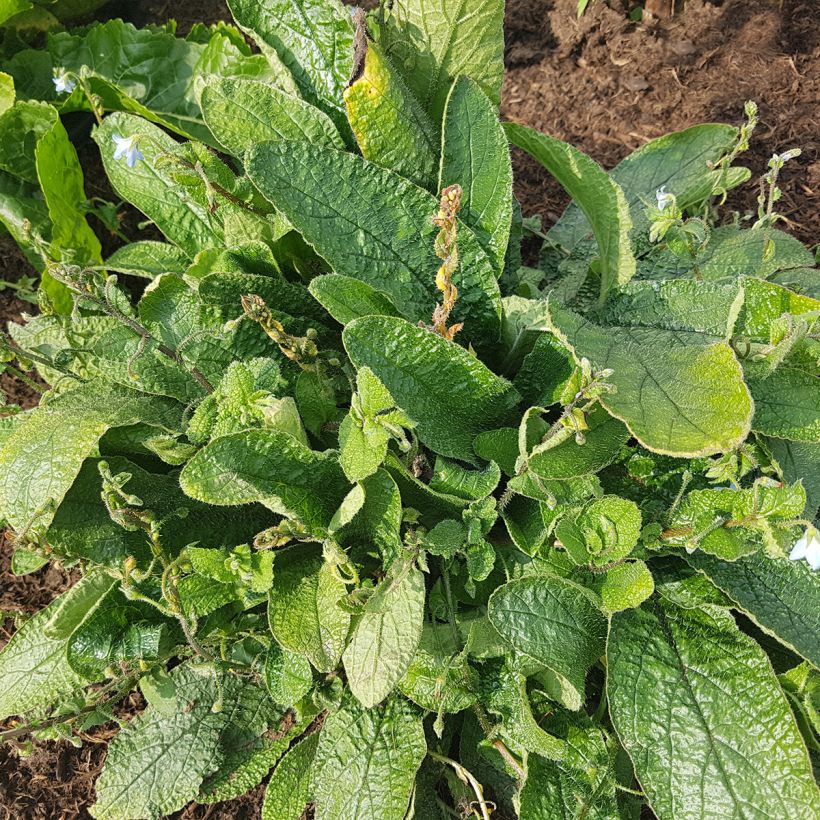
x: 147, y: 336
x: 466, y: 777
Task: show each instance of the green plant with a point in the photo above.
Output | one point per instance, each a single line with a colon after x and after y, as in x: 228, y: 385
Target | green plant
x: 360, y: 499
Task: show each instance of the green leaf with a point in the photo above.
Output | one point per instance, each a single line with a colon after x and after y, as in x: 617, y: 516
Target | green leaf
x: 34, y: 667
x: 378, y: 522
x: 605, y: 530
x: 683, y: 679
x: 312, y: 38
x: 433, y: 42
x: 43, y: 456
x: 117, y: 632
x: 766, y: 302
x: 678, y: 161
x: 476, y: 155
x: 61, y: 179
x: 705, y: 518
x: 288, y: 676
x: 289, y: 787
x: 692, y: 401
x: 77, y: 603
x: 567, y: 459
x: 346, y: 298
x: 565, y: 789
x: 10, y: 8
x: 158, y: 763
x: 385, y: 637
x: 800, y: 462
x: 149, y: 71
x: 598, y: 196
x: 147, y: 259
x: 303, y: 607
x: 779, y: 595
x: 150, y: 186
x: 271, y: 467
x: 390, y: 126
x: 7, y: 93
x: 556, y: 623
x: 677, y: 304
x: 439, y: 677
x: 506, y: 695
x: 626, y: 586
x: 83, y: 528
x: 241, y: 113
x: 387, y: 239
x: 472, y: 485
x: 24, y: 562
x: 367, y: 760
x: 787, y: 404
x: 450, y: 394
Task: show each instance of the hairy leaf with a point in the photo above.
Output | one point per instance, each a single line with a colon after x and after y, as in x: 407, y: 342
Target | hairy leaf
x: 598, y: 196
x: 683, y: 679
x: 435, y: 41
x: 241, y: 113
x: 303, y: 607
x: 386, y: 635
x: 691, y: 401
x: 556, y: 623
x: 366, y: 762
x: 476, y: 155
x: 271, y: 467
x: 450, y: 394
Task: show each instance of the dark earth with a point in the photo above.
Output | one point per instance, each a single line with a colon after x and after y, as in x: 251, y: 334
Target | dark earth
x: 607, y: 84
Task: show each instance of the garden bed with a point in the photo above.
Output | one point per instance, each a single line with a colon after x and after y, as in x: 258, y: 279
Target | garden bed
x: 605, y: 84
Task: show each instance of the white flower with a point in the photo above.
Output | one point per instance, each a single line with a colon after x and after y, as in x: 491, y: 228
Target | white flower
x: 808, y: 547
x: 664, y: 198
x: 127, y: 147
x: 63, y: 83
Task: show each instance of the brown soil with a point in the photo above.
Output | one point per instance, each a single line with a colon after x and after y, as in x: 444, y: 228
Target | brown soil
x: 605, y: 84
x: 608, y: 85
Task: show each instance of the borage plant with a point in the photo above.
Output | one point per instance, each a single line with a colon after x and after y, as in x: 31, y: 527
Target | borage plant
x: 362, y: 501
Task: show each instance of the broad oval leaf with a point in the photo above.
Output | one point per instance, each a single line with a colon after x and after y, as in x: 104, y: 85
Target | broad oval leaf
x: 43, y: 457
x: 34, y: 667
x: 242, y: 113
x: 303, y: 607
x: 374, y: 225
x: 691, y: 401
x: 289, y: 790
x: 697, y: 706
x: 678, y: 161
x: 450, y: 394
x: 271, y: 467
x: 313, y: 39
x: 390, y: 126
x: 386, y: 635
x: 151, y: 188
x: 556, y: 623
x: 367, y: 760
x: 779, y: 595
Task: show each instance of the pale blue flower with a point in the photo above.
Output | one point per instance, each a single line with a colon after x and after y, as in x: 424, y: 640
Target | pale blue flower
x: 807, y: 547
x: 664, y: 198
x: 127, y: 147
x: 64, y: 83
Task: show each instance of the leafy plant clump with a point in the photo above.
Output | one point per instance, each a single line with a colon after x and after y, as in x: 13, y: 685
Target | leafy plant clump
x: 362, y: 503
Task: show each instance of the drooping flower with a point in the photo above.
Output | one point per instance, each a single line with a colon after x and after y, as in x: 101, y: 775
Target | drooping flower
x: 127, y: 147
x: 807, y: 547
x: 64, y: 83
x: 664, y: 198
